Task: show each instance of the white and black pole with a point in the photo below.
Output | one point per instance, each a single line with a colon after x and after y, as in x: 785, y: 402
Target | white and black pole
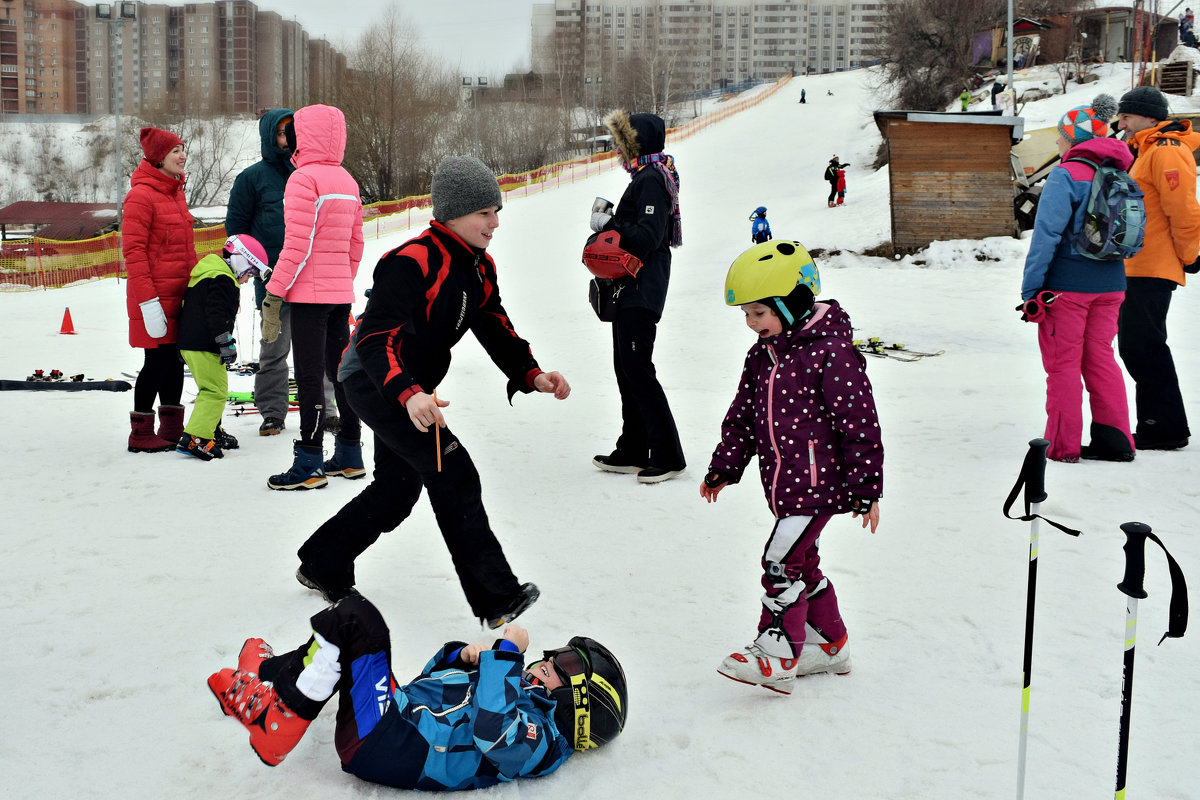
x: 1136, y: 534
x: 1131, y: 587
x: 1035, y: 494
x: 1033, y: 480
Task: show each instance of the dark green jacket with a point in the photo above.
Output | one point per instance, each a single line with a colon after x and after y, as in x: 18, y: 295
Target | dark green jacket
x: 256, y: 200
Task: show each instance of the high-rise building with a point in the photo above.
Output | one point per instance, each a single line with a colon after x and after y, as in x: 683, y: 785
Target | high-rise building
x: 702, y: 43
x: 61, y: 57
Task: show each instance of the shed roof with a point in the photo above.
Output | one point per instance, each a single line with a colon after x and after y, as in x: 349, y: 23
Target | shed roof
x: 1017, y: 124
x: 62, y: 221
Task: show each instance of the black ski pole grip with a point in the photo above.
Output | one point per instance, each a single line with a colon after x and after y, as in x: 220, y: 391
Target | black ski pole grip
x: 1035, y: 471
x: 1135, y: 559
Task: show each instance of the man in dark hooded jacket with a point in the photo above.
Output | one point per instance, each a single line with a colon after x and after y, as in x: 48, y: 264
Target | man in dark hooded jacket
x: 647, y: 218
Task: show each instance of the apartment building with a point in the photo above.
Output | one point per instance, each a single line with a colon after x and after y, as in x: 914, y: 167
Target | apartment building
x: 37, y: 57
x: 703, y: 43
x: 60, y: 57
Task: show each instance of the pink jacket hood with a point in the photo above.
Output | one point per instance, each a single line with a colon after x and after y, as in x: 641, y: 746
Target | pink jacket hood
x: 320, y: 135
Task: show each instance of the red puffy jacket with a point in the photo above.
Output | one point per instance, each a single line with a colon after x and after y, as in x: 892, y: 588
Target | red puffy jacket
x: 159, y: 249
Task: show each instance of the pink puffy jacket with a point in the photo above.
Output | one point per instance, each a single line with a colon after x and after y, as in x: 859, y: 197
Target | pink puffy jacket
x: 322, y: 215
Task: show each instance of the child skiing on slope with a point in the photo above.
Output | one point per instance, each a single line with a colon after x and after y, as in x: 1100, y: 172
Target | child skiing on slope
x: 841, y: 186
x: 804, y: 406
x: 760, y: 229
x: 206, y: 341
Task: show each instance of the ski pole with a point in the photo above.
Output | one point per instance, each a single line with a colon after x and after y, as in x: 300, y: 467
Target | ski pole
x: 1033, y: 480
x: 437, y: 435
x: 1131, y: 586
x: 1136, y: 534
x: 1035, y: 493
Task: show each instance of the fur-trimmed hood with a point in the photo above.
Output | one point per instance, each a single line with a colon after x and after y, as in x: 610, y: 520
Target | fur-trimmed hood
x: 636, y: 135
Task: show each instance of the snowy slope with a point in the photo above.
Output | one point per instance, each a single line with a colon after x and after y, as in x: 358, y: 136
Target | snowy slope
x: 126, y: 579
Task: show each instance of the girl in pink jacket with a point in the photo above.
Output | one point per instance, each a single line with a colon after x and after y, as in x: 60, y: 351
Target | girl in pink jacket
x: 322, y: 246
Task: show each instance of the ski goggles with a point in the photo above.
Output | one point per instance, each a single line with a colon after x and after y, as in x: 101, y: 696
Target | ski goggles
x: 567, y: 662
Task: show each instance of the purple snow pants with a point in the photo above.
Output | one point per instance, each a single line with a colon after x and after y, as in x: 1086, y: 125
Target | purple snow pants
x: 798, y: 597
x: 1076, y: 339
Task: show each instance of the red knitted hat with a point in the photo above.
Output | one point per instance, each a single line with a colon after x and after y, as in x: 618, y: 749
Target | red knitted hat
x: 156, y: 143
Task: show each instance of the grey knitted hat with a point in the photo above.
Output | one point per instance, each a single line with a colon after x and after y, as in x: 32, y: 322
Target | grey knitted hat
x: 463, y: 185
x: 1145, y: 101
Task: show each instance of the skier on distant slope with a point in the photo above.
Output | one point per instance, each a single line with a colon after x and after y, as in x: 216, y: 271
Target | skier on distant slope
x: 804, y: 406
x: 760, y: 229
x: 831, y: 175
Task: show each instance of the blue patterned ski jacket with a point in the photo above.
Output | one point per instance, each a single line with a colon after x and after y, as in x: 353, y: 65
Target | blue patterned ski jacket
x: 462, y: 727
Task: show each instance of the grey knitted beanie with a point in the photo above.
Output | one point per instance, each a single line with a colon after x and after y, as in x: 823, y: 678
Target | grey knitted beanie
x: 463, y: 185
x: 1145, y: 101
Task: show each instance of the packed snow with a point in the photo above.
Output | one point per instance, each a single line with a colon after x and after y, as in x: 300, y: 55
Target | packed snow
x: 126, y: 579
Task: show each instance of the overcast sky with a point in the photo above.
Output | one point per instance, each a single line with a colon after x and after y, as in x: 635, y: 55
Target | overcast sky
x: 485, y: 37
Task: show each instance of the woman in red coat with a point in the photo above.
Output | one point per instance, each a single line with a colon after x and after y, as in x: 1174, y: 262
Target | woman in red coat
x: 160, y: 251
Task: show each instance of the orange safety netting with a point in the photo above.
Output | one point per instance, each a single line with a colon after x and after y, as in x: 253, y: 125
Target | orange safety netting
x: 37, y: 263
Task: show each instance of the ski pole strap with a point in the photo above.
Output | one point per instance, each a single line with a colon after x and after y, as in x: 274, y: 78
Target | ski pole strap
x: 1033, y: 480
x: 1136, y: 534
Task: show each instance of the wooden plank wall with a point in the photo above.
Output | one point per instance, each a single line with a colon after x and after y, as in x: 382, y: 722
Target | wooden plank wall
x: 949, y: 181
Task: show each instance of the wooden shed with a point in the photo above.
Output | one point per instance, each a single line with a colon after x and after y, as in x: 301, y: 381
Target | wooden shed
x: 950, y: 175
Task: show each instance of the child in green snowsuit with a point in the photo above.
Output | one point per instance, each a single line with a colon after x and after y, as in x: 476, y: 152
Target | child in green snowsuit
x: 206, y: 341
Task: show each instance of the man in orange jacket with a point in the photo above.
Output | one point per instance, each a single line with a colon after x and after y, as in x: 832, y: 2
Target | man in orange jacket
x: 1165, y: 170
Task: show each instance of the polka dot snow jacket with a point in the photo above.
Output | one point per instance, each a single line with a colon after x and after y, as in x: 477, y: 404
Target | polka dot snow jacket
x: 805, y: 408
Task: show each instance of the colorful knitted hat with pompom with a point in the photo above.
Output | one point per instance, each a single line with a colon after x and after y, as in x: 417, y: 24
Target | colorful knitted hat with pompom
x: 1088, y: 122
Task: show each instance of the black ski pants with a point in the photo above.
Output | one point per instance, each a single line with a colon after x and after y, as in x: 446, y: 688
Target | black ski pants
x: 1142, y: 344
x: 406, y: 461
x: 320, y: 333
x: 647, y: 425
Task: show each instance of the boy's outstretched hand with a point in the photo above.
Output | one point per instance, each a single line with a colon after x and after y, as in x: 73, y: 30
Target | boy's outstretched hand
x: 553, y: 382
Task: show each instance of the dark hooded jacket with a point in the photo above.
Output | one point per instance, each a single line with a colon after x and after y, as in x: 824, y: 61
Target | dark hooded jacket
x: 644, y: 216
x: 256, y: 200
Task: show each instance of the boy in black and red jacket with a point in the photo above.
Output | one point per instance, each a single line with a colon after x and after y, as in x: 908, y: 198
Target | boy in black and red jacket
x: 427, y: 295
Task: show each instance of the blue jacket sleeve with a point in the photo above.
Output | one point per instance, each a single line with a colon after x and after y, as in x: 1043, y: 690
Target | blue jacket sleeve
x: 512, y: 731
x: 1055, y: 210
x: 239, y: 211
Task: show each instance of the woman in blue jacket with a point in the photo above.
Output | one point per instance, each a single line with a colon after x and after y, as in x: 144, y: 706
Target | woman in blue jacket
x: 1075, y: 300
x: 473, y: 717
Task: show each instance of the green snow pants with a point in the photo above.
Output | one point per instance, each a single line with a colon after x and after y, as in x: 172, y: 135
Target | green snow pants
x: 213, y: 383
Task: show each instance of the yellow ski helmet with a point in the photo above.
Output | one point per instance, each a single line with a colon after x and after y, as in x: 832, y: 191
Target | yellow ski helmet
x: 777, y: 273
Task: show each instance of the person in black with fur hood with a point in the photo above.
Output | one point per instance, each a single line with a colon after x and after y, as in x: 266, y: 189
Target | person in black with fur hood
x: 427, y: 295
x: 647, y: 218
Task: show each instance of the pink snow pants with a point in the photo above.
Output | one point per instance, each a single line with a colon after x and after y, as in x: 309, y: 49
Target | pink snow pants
x: 798, y: 598
x: 1076, y: 339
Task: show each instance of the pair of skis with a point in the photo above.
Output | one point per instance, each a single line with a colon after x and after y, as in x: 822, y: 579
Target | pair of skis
x: 875, y: 346
x: 55, y: 380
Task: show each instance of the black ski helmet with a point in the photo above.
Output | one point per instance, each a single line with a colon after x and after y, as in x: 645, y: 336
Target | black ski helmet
x: 592, y: 704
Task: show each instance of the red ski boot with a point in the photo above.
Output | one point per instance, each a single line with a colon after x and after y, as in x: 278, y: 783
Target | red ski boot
x: 274, y: 729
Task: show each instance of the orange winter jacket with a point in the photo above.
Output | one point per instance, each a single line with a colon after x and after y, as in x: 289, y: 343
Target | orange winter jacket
x: 1166, y: 171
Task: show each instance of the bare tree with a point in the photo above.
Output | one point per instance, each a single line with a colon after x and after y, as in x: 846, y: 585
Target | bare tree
x: 397, y: 102
x: 924, y: 50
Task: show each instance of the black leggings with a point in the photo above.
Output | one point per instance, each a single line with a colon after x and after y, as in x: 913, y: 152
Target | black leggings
x: 161, y: 376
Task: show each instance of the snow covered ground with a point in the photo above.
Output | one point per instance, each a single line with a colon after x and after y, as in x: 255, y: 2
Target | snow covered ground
x: 125, y: 580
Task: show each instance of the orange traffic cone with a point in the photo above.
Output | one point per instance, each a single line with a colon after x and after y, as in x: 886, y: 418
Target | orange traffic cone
x: 67, y: 325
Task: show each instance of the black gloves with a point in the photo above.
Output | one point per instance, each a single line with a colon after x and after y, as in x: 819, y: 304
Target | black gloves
x: 228, y: 347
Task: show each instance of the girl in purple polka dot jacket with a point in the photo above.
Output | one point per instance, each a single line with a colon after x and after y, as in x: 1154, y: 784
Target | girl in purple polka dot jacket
x: 804, y: 406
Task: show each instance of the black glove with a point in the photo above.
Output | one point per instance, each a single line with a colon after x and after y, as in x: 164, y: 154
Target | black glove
x: 228, y: 346
x: 861, y: 505
x: 1192, y: 268
x: 715, y: 478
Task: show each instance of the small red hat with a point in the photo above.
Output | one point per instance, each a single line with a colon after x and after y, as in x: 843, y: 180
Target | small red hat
x: 156, y: 143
